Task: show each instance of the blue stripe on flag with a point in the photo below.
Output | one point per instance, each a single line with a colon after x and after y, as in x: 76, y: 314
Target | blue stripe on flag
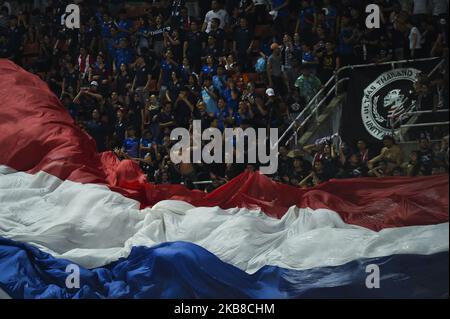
x: 185, y: 270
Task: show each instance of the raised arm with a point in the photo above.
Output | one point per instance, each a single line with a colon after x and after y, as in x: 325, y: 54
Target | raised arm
x: 342, y: 157
x: 76, y: 100
x: 310, y: 148
x: 377, y: 158
x: 305, y: 181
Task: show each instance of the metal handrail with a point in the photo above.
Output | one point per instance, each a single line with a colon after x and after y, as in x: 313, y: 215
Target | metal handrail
x: 392, y: 63
x: 310, y: 103
x: 400, y: 118
x: 337, y: 81
x: 424, y: 124
x: 318, y: 105
x: 199, y: 183
x: 426, y: 112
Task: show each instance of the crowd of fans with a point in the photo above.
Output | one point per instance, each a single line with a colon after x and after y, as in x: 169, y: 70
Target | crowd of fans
x: 362, y: 161
x: 128, y: 77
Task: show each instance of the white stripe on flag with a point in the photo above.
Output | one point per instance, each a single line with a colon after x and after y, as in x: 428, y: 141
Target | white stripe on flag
x: 94, y: 226
x: 4, y: 295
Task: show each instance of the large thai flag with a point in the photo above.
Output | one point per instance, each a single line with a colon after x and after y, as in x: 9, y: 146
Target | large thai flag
x: 63, y: 204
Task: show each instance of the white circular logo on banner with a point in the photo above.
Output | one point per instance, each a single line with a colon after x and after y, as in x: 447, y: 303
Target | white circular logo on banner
x: 386, y: 99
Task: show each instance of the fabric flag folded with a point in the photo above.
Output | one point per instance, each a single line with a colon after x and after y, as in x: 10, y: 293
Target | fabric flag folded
x: 64, y: 205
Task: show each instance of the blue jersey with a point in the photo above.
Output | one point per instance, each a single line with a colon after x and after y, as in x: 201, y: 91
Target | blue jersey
x: 125, y: 25
x: 146, y: 143
x: 307, y: 57
x: 105, y: 26
x: 166, y: 69
x: 125, y: 56
x: 306, y: 18
x: 211, y: 104
x: 233, y: 105
x: 207, y: 70
x: 219, y: 83
x: 221, y: 115
x: 330, y: 17
x: 131, y: 146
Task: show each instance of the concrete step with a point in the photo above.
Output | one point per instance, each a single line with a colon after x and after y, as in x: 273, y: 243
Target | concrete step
x: 324, y: 116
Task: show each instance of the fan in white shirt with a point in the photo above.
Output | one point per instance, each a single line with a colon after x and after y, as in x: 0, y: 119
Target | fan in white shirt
x: 215, y: 12
x: 415, y: 41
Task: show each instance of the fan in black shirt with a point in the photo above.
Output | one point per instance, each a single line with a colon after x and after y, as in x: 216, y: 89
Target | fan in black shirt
x: 142, y: 73
x: 183, y: 109
x: 329, y: 62
x: 284, y: 163
x: 199, y: 113
x: 316, y: 177
x: 71, y: 78
x: 300, y: 169
x: 142, y: 79
x: 243, y: 42
x: 15, y: 38
x: 384, y: 51
x: 218, y: 34
x: 89, y: 99
x: 96, y: 129
x: 182, y: 22
x: 123, y: 80
x: 175, y: 87
x: 173, y: 41
x: 165, y: 120
x: 261, y: 112
x: 193, y: 46
x: 5, y: 51
x: 353, y: 168
x: 120, y: 126
x: 211, y: 49
x: 426, y: 157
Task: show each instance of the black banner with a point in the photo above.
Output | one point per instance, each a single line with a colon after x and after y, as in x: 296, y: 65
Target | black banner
x: 375, y: 96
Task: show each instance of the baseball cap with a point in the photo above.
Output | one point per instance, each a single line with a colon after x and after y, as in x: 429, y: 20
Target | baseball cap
x: 270, y: 92
x: 94, y: 83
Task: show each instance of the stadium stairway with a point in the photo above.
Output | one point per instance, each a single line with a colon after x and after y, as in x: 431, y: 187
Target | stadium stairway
x: 325, y: 124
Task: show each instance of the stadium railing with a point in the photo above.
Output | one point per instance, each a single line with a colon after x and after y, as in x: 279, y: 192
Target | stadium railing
x: 332, y: 89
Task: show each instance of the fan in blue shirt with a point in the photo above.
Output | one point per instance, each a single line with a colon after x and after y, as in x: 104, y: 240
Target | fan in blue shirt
x: 306, y: 17
x: 222, y: 114
x: 146, y: 143
x: 330, y: 16
x: 131, y: 143
x: 167, y: 66
x: 208, y: 69
x: 220, y: 80
x: 209, y: 96
x: 124, y: 25
x: 123, y: 54
x: 106, y: 24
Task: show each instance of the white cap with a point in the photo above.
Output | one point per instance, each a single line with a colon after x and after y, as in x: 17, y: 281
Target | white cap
x: 270, y: 92
x: 95, y: 83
